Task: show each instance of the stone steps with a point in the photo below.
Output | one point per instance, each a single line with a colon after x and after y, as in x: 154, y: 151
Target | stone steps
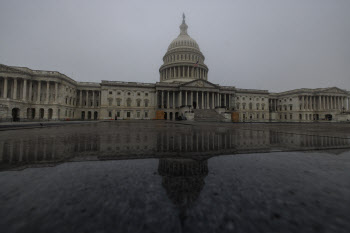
x: 207, y: 115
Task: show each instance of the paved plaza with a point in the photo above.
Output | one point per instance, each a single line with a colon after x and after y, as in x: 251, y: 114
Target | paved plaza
x: 175, y: 177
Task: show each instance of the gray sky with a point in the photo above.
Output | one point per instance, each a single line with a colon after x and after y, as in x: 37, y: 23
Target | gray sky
x: 272, y: 44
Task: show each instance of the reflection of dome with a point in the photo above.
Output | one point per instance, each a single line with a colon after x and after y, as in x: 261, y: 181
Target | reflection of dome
x: 180, y: 59
x: 183, y: 180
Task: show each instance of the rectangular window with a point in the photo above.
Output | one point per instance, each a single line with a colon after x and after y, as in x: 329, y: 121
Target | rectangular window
x: 128, y: 114
x: 146, y: 114
x: 118, y: 114
x: 109, y: 114
x: 146, y: 104
x: 291, y: 116
x: 118, y: 102
x: 138, y: 114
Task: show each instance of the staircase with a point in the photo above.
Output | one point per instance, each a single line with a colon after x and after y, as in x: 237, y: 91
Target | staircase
x: 207, y: 115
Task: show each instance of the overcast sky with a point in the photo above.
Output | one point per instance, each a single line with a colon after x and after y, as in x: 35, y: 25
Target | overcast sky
x: 273, y: 45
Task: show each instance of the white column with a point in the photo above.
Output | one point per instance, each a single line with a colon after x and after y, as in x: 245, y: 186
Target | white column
x: 162, y: 100
x: 202, y: 99
x: 39, y: 92
x: 191, y: 103
x: 212, y: 100
x: 30, y: 90
x: 229, y: 101
x: 47, y: 92
x: 14, y: 96
x: 225, y: 100
x: 93, y: 99
x: 168, y: 102
x: 87, y: 98
x: 173, y: 101
x: 81, y: 98
x: 331, y: 102
x: 207, y: 100
x: 24, y: 90
x: 56, y: 93
x: 156, y: 99
x: 180, y: 98
x: 186, y: 102
x: 5, y: 87
x: 197, y: 103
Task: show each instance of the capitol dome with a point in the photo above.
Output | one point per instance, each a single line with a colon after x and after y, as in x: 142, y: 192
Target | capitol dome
x: 183, y: 61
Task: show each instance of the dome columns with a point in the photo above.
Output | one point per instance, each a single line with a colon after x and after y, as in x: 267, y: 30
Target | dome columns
x: 183, y: 72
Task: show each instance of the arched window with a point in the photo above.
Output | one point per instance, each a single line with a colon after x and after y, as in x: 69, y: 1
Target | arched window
x: 257, y: 106
x: 263, y: 106
x: 237, y: 106
x: 146, y: 103
x: 250, y: 106
x: 138, y: 102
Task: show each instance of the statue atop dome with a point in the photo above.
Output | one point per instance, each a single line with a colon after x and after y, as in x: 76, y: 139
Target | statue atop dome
x: 183, y: 26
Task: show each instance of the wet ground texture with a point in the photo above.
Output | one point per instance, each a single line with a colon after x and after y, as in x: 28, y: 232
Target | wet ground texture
x: 154, y: 176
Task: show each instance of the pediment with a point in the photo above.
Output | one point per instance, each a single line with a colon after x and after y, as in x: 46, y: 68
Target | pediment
x: 200, y: 83
x: 333, y: 90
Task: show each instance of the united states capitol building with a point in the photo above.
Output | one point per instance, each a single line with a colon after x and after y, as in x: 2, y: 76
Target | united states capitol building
x: 184, y: 90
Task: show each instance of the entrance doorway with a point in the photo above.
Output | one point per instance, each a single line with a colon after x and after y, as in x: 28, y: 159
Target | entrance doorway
x: 95, y: 115
x: 194, y: 105
x: 33, y: 113
x: 328, y: 117
x: 15, y: 114
x: 165, y: 116
x: 83, y: 115
x: 41, y: 113
x: 50, y: 113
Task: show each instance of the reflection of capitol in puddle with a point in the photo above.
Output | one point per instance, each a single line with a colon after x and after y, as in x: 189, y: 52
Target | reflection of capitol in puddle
x: 159, y: 143
x: 183, y: 180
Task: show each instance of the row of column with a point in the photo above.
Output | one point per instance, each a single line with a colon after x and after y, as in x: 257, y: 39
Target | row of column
x: 324, y: 103
x: 273, y: 103
x: 89, y: 98
x: 16, y: 88
x: 202, y: 99
x: 183, y: 72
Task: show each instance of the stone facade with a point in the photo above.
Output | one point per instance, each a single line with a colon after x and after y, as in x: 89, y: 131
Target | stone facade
x: 32, y: 95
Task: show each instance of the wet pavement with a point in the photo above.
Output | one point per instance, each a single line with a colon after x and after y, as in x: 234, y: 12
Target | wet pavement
x: 154, y: 176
